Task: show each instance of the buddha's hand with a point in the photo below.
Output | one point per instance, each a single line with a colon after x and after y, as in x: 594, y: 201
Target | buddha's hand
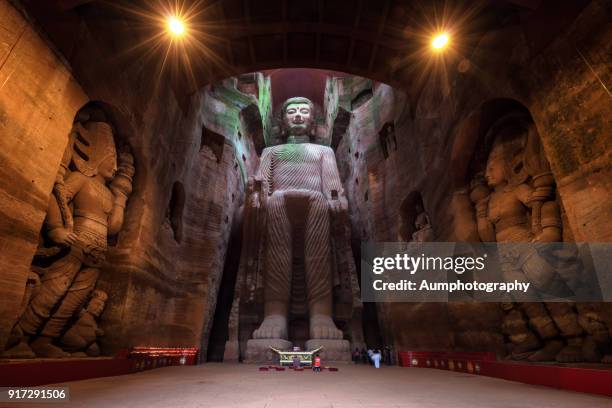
x: 122, y: 182
x: 482, y: 207
x: 62, y: 236
x: 338, y: 206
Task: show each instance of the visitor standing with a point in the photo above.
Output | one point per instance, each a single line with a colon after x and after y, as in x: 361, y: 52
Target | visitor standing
x: 387, y: 355
x: 364, y: 356
x: 296, y: 362
x: 376, y: 356
x: 356, y: 356
x: 316, y: 366
x: 393, y: 355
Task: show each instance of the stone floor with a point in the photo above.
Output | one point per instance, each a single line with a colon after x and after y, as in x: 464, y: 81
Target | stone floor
x: 233, y: 385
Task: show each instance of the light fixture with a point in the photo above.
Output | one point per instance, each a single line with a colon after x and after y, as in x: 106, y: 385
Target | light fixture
x: 175, y: 26
x: 440, y: 41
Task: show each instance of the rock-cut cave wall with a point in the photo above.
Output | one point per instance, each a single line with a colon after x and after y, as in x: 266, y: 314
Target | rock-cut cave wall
x: 398, y: 151
x: 191, y: 157
x: 38, y: 101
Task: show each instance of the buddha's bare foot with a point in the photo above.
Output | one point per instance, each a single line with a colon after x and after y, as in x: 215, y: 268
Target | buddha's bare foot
x: 529, y: 344
x: 548, y: 352
x: 590, y: 351
x: 42, y: 347
x: 323, y: 327
x: 21, y: 350
x: 570, y: 354
x: 521, y: 356
x: 273, y: 327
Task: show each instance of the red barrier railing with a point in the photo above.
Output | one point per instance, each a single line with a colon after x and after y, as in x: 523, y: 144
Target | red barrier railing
x: 146, y: 358
x: 468, y: 362
x: 591, y: 380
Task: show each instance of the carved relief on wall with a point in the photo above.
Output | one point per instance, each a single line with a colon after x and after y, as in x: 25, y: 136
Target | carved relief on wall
x: 515, y: 202
x: 81, y: 338
x: 415, y: 223
x: 87, y: 206
x: 387, y: 139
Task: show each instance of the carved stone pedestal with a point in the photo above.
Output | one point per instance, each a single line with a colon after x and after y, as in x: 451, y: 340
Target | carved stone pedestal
x: 258, y: 350
x: 337, y: 351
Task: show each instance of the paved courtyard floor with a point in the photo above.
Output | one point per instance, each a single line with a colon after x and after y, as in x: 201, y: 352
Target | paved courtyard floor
x: 235, y: 385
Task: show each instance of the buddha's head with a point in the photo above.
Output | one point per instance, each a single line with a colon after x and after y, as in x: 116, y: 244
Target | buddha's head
x: 298, y: 117
x: 108, y: 167
x: 506, y: 160
x: 97, y: 302
x: 95, y: 150
x: 495, y: 172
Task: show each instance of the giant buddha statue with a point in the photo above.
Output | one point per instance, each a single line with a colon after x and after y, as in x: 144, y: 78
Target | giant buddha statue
x: 298, y: 196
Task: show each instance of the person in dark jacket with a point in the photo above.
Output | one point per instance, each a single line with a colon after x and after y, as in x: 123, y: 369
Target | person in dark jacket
x: 364, y: 356
x: 387, y: 355
x: 356, y: 356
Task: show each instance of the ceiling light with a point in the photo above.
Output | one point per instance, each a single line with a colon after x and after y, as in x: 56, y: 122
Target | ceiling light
x: 175, y: 26
x: 440, y: 41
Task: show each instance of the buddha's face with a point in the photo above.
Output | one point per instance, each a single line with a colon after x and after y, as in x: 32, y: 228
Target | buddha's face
x: 495, y: 173
x: 298, y: 118
x: 107, y: 168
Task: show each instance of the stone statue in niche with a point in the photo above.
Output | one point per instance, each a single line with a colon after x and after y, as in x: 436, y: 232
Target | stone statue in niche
x: 517, y: 204
x: 414, y: 222
x: 80, y: 339
x: 387, y: 139
x: 87, y: 206
x: 424, y: 231
x: 298, y: 181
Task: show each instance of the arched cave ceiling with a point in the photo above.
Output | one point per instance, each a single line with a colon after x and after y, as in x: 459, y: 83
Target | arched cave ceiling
x: 379, y: 39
